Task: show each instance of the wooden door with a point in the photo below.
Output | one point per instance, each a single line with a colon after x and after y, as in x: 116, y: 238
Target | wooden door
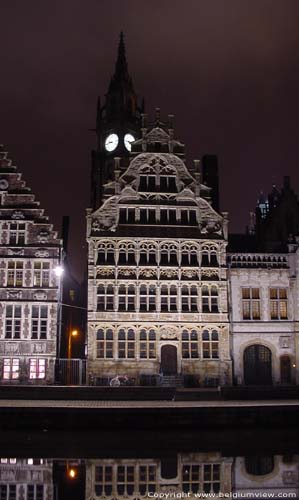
x: 169, y: 360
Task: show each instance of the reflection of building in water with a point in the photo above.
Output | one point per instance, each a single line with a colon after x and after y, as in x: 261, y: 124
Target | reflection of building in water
x: 26, y: 479
x: 137, y: 478
x: 267, y: 474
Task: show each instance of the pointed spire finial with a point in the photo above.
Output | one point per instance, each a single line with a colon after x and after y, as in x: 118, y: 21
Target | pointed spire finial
x: 121, y: 67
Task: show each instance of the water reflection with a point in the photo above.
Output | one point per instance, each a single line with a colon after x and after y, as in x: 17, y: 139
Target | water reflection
x: 186, y: 475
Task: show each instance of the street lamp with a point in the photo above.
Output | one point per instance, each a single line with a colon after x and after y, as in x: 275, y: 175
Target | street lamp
x: 59, y: 270
x: 72, y: 333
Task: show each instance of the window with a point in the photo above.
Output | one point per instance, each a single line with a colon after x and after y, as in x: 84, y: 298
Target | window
x: 251, y: 306
x: 168, y: 257
x: 127, y: 215
x: 126, y: 257
x: 105, y: 298
x: 209, y: 259
x: 13, y: 322
x: 105, y: 343
x: 15, y: 273
x: 106, y: 256
x: 147, y: 257
x: 147, y: 344
x: 259, y: 466
x: 103, y: 480
x: 126, y: 298
x: 17, y: 232
x: 39, y: 326
x: 147, y: 479
x: 211, y: 478
x: 189, y: 259
x: 41, y: 274
x: 189, y: 297
x: 168, y: 216
x: 35, y: 492
x: 278, y: 303
x: 11, y: 368
x: 168, y: 298
x: 168, y: 184
x: 147, y: 298
x: 126, y: 344
x: 209, y: 296
x: 125, y: 480
x: 190, y: 344
x: 210, y: 344
x: 8, y: 492
x: 37, y: 368
x: 147, y: 216
x: 147, y: 183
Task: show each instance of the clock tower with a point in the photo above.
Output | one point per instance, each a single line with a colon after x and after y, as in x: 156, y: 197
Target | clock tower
x: 118, y: 124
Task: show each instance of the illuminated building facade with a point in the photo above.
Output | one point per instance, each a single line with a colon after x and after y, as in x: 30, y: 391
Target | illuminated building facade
x: 29, y: 289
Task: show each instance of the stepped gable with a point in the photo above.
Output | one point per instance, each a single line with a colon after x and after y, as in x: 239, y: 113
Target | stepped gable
x: 18, y: 204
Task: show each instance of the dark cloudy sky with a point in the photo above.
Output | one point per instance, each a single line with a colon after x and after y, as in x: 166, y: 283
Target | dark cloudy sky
x: 227, y: 69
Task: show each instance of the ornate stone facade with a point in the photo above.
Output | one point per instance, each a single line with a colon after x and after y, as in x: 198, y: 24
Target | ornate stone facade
x: 157, y: 283
x: 29, y: 253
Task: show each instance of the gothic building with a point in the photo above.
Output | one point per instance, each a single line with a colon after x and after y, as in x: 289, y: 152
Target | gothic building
x: 29, y: 289
x: 28, y: 478
x: 157, y: 287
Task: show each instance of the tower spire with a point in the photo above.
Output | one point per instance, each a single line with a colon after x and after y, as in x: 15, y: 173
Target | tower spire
x: 121, y: 67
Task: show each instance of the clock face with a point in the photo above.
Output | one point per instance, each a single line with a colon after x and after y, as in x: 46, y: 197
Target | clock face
x: 129, y: 138
x: 111, y: 142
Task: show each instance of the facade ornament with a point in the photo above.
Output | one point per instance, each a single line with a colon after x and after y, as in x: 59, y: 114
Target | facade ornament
x: 18, y: 214
x: 42, y: 253
x: 40, y: 296
x: 3, y: 185
x: 14, y: 295
x: 13, y: 251
x: 43, y: 236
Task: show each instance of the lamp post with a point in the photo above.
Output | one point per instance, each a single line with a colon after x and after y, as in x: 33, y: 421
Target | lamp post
x: 72, y: 334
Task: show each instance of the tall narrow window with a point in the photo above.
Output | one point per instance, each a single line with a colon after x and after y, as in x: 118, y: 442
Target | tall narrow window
x: 125, y: 480
x: 210, y: 344
x: 209, y: 299
x: 168, y: 298
x: 251, y: 306
x: 190, y: 344
x: 39, y: 322
x: 103, y: 480
x: 126, y: 297
x: 147, y: 344
x: 105, y: 343
x: 147, y: 298
x: 13, y: 321
x: 41, y: 274
x: 126, y: 344
x: 278, y: 303
x: 189, y: 298
x: 15, y: 273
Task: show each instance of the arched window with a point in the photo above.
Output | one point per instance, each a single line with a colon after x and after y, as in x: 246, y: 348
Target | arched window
x: 258, y: 465
x: 126, y: 344
x: 190, y: 345
x: 147, y: 345
x: 210, y: 344
x: 105, y: 343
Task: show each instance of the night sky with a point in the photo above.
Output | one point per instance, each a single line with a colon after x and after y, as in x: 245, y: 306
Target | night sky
x: 227, y: 69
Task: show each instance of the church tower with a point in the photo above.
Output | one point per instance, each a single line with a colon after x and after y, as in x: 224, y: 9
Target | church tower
x: 118, y: 124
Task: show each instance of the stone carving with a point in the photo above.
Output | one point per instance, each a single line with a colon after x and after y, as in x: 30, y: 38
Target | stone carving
x: 189, y: 273
x: 170, y: 333
x: 209, y: 273
x: 39, y: 347
x: 43, y: 236
x: 41, y: 253
x: 3, y: 184
x: 14, y: 295
x: 11, y: 347
x: 13, y: 251
x: 169, y: 273
x: 105, y: 218
x: 105, y: 272
x: 284, y: 342
x: 40, y: 295
x: 147, y: 273
x: 290, y: 477
x: 18, y: 214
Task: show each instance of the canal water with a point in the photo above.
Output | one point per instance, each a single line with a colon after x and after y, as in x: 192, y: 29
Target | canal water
x: 230, y: 463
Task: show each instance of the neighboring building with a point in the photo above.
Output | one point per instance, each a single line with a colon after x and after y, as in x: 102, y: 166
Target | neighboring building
x: 134, y: 478
x: 157, y: 287
x: 26, y: 478
x: 29, y: 289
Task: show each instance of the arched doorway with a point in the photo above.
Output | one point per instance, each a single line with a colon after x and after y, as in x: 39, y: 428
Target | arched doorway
x: 285, y: 369
x: 169, y: 359
x: 257, y: 365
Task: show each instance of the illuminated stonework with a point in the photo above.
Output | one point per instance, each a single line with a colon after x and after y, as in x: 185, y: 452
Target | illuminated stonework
x: 29, y: 253
x: 157, y: 288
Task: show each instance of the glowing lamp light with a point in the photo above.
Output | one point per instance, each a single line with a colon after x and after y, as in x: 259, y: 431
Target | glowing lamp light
x: 58, y: 271
x: 72, y: 473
